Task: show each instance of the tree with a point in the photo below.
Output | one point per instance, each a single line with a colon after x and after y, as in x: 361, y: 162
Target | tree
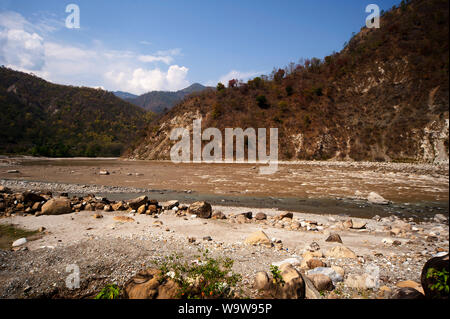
x: 220, y: 86
x: 232, y: 83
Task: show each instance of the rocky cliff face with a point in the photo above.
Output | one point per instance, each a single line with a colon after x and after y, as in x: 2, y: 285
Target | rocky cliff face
x: 384, y: 97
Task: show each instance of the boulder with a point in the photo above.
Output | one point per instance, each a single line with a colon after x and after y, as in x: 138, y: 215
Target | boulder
x: 313, y: 247
x: 403, y: 226
x: 340, y: 252
x: 142, y: 209
x: 311, y: 291
x: 123, y: 219
x: 406, y: 293
x: 315, y: 263
x: 438, y: 218
x: 200, y: 209
x: 410, y: 284
x: 170, y: 204
x: 29, y: 197
x: 262, y: 281
x: 151, y: 210
x: 364, y: 281
x: 119, y: 206
x: 218, y: 215
x: 358, y: 224
x: 248, y: 215
x: 103, y: 173
x: 377, y: 199
x: 322, y: 282
x: 292, y: 287
x: 439, y: 263
x: 261, y: 216
x: 5, y: 190
x: 56, y: 206
x: 286, y: 215
x: 137, y: 202
x: 327, y: 271
x: 258, y: 238
x: 334, y: 238
x: 149, y: 285
x: 241, y: 219
x: 347, y: 224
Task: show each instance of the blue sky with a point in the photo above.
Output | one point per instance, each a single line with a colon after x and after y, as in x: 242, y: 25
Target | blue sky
x: 143, y: 45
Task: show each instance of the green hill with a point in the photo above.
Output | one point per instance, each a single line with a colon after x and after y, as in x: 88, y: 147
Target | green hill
x: 41, y: 118
x: 384, y: 97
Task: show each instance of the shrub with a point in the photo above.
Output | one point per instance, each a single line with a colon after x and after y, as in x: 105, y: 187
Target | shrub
x: 109, y: 292
x: 261, y: 100
x: 440, y: 279
x: 289, y: 90
x: 207, y: 278
x: 220, y: 87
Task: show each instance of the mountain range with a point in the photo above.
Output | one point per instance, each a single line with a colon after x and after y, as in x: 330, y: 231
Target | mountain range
x: 160, y: 101
x: 384, y: 97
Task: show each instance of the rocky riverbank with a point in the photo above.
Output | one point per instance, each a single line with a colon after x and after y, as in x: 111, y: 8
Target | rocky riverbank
x: 111, y: 241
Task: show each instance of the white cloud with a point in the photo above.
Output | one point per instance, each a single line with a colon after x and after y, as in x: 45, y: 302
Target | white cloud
x: 152, y: 58
x: 140, y: 80
x: 234, y: 74
x: 23, y: 46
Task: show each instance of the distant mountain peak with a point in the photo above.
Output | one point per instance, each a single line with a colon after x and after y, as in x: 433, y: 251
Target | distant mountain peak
x: 160, y: 101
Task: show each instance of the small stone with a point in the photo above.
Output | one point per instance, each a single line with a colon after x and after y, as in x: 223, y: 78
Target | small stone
x: 261, y: 216
x: 375, y: 198
x: 19, y: 242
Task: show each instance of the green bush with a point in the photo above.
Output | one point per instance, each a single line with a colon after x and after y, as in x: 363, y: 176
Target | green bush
x: 109, y: 292
x: 207, y: 278
x: 261, y: 100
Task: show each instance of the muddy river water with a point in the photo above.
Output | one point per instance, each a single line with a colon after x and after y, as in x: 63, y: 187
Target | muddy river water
x: 415, y: 190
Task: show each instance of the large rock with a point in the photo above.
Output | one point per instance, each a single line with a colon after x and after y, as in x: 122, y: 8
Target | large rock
x: 218, y: 215
x: 315, y: 263
x: 364, y: 281
x: 260, y: 216
x: 4, y: 189
x: 340, y: 252
x: 410, y: 284
x: 327, y: 271
x: 311, y: 291
x: 148, y: 285
x: 119, y: 206
x: 406, y: 293
x: 294, y: 287
x: 286, y: 215
x: 322, y: 282
x: 375, y: 198
x: 56, y: 206
x: 138, y: 202
x: 258, y: 238
x: 291, y: 287
x: 358, y: 224
x: 262, y: 281
x: 334, y: 238
x: 200, y: 209
x: 438, y: 218
x: 438, y: 263
x: 170, y: 204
